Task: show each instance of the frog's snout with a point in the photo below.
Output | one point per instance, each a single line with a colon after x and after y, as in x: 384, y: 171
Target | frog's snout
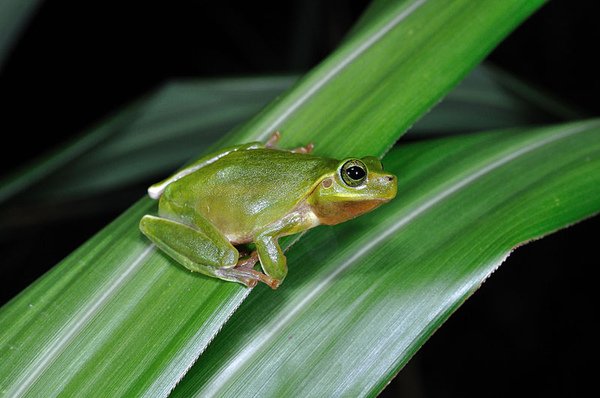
x: 390, y: 186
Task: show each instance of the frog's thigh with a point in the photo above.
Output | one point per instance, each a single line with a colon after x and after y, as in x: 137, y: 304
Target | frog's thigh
x: 195, y: 248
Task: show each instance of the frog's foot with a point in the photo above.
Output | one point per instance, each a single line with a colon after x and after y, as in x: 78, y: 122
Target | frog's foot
x: 248, y: 277
x: 249, y: 261
x: 308, y: 148
x: 273, y: 140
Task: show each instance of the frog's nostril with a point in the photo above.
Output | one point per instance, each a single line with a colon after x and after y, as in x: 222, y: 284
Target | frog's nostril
x: 390, y: 178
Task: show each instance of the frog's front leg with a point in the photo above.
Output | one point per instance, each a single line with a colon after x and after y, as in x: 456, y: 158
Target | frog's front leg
x: 200, y: 248
x: 272, y: 259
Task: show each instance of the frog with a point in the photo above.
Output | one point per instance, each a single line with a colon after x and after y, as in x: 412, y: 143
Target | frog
x: 225, y: 212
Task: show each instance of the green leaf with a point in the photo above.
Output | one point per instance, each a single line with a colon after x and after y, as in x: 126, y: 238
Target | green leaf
x: 50, y: 163
x: 174, y: 124
x: 14, y: 15
x: 490, y: 99
x: 362, y: 297
x: 119, y: 318
x: 153, y: 135
x: 400, y: 63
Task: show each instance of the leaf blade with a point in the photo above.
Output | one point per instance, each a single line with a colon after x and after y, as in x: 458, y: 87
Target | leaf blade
x: 400, y: 65
x: 347, y: 325
x: 13, y: 17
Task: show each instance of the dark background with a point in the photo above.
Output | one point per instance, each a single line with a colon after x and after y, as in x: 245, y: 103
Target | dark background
x: 525, y: 332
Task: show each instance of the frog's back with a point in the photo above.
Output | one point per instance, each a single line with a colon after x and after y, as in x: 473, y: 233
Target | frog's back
x: 245, y: 191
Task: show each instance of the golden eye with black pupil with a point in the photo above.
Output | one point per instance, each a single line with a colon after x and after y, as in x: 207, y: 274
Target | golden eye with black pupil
x: 353, y: 172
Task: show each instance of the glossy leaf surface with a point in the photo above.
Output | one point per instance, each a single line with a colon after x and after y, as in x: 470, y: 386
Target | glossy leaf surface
x: 363, y: 296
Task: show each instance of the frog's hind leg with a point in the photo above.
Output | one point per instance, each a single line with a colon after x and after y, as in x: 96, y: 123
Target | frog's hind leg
x: 245, y: 266
x: 308, y: 148
x: 274, y: 139
x: 199, y: 249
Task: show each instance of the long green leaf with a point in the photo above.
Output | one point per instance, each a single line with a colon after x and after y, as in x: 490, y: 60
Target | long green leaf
x: 489, y: 99
x: 14, y: 15
x: 399, y: 61
x: 362, y: 299
x: 154, y: 134
x: 50, y: 163
x: 175, y: 123
x: 118, y: 318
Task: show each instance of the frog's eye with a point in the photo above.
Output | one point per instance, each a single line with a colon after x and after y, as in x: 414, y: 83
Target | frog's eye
x: 353, y: 172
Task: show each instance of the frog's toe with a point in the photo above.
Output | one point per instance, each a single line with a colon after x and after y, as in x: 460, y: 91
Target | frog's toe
x: 243, y: 275
x: 248, y: 262
x: 308, y: 148
x: 272, y: 141
x: 249, y: 282
x: 274, y: 284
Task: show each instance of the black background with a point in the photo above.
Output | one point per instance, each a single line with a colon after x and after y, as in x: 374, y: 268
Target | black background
x: 527, y: 331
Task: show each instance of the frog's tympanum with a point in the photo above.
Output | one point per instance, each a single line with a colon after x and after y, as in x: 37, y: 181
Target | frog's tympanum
x: 255, y: 194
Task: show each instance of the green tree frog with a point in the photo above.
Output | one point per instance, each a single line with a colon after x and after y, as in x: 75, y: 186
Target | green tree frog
x: 256, y: 193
